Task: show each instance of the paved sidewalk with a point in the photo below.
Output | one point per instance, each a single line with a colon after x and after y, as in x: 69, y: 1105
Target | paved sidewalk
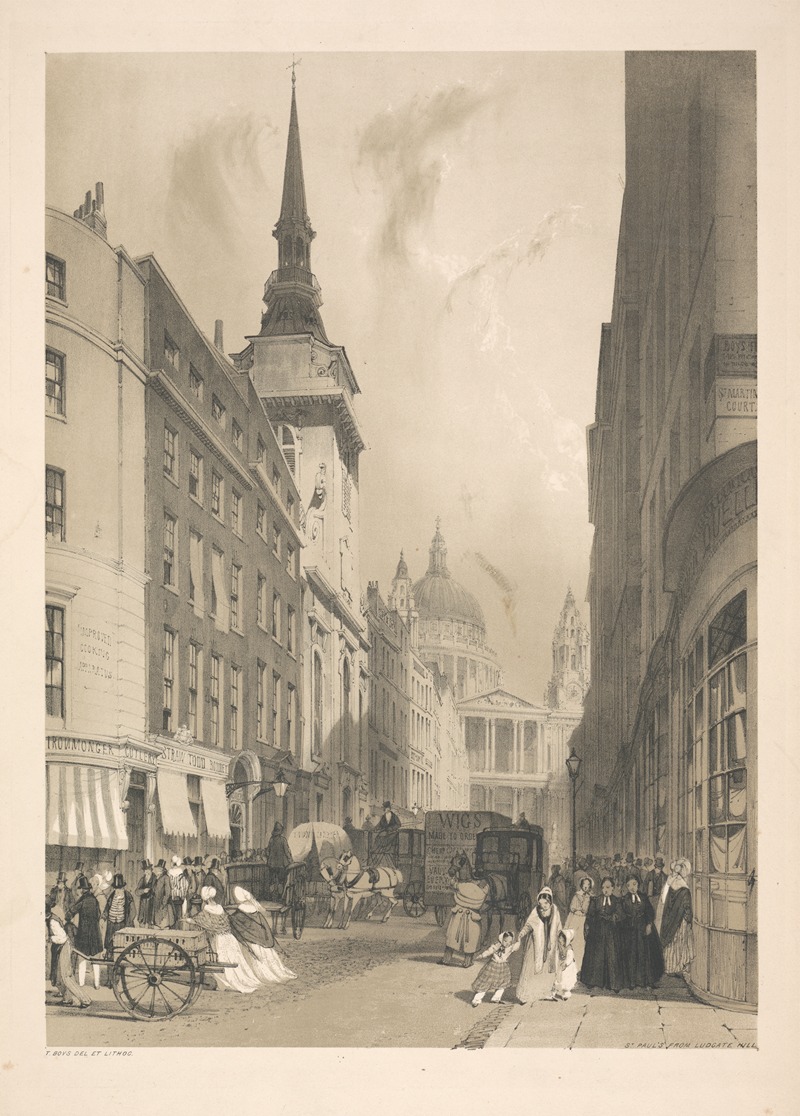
x: 669, y: 1017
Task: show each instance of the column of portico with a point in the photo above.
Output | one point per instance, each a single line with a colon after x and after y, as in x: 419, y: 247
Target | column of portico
x: 493, y: 744
x: 487, y: 745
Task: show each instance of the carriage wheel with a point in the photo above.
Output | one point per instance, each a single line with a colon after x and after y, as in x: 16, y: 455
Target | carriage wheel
x: 298, y: 919
x: 154, y: 978
x: 413, y: 903
x: 441, y: 915
x: 524, y: 907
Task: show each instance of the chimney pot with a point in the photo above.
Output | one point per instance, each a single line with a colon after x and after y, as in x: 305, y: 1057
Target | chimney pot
x: 218, y: 342
x: 88, y: 200
x: 98, y: 189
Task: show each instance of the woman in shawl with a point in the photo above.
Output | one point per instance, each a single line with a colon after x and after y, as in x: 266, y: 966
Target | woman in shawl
x: 252, y: 930
x: 539, y: 962
x: 677, y: 938
x: 213, y: 919
x: 88, y: 940
x: 576, y: 919
x: 641, y: 947
x: 602, y: 957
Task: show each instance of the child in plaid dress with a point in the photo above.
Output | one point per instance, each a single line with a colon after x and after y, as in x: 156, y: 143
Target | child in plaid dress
x: 496, y: 973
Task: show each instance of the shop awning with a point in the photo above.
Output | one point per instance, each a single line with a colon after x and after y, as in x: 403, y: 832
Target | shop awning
x: 215, y: 807
x: 83, y: 807
x: 173, y: 798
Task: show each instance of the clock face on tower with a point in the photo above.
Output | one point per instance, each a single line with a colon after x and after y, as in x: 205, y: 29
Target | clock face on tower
x: 573, y: 692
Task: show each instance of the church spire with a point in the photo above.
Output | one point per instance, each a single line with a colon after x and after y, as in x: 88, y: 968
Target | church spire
x: 292, y: 293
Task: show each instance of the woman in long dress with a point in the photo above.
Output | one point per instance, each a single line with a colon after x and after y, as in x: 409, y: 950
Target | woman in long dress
x: 677, y: 938
x: 213, y: 919
x: 252, y: 930
x: 578, y: 909
x: 603, y: 965
x: 539, y: 961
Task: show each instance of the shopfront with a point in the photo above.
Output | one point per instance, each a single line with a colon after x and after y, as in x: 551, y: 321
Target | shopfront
x: 99, y: 804
x: 191, y: 815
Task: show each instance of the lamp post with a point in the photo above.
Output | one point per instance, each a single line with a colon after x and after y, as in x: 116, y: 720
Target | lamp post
x: 573, y: 767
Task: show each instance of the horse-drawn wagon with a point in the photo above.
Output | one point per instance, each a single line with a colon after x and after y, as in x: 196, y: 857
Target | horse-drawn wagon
x: 511, y: 861
x: 451, y: 837
x: 406, y: 850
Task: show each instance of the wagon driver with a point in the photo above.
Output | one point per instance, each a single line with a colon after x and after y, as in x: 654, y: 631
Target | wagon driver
x: 384, y: 837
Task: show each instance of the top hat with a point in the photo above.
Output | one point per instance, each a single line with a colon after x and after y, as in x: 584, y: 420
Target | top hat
x: 387, y: 805
x: 161, y: 864
x: 617, y: 856
x: 198, y: 862
x: 83, y: 884
x: 187, y: 860
x: 215, y: 862
x: 629, y: 858
x: 119, y: 880
x: 146, y: 864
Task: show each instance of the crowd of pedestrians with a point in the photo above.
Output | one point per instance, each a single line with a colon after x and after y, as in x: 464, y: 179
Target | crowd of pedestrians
x: 606, y: 922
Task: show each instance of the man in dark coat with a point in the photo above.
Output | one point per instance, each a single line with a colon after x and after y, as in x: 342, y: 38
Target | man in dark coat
x: 654, y: 881
x: 279, y: 857
x: 162, y: 909
x: 146, y: 895
x: 88, y: 941
x: 631, y: 870
x: 558, y: 885
x: 618, y: 874
x: 215, y: 877
x: 641, y: 947
x: 384, y: 842
x: 602, y: 958
x: 119, y: 910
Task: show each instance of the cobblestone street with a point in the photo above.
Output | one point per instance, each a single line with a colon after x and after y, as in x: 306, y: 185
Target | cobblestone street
x: 380, y: 985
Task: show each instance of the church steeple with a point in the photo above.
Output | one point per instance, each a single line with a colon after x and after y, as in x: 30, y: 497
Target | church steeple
x: 292, y: 293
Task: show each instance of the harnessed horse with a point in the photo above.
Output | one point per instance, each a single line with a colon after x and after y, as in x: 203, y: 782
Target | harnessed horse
x: 352, y: 883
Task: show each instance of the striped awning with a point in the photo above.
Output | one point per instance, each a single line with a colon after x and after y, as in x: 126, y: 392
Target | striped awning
x: 83, y: 807
x: 173, y: 799
x: 215, y: 808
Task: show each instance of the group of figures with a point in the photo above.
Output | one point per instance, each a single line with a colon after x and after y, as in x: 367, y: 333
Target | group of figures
x: 600, y: 938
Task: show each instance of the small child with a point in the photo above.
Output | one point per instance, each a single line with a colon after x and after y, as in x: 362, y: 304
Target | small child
x: 496, y: 973
x: 567, y: 972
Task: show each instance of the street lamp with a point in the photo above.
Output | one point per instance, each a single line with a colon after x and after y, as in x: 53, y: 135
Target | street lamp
x: 280, y: 784
x: 573, y: 767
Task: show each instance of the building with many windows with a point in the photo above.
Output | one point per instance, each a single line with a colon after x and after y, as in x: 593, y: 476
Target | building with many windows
x: 101, y: 766
x: 224, y: 592
x: 668, y: 740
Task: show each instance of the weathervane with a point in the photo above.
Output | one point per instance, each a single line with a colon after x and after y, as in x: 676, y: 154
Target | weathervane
x: 292, y: 67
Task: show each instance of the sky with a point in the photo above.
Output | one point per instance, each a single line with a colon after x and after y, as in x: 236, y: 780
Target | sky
x: 467, y: 213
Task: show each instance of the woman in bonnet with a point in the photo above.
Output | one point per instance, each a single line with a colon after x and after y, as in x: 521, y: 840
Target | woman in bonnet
x: 252, y: 930
x: 213, y: 919
x: 677, y: 938
x: 576, y: 919
x: 540, y: 935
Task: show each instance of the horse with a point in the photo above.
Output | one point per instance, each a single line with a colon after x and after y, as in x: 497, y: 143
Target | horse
x: 461, y: 870
x: 352, y: 883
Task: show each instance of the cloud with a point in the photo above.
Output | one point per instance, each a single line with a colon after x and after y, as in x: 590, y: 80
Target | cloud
x: 403, y: 149
x: 218, y: 178
x: 521, y: 247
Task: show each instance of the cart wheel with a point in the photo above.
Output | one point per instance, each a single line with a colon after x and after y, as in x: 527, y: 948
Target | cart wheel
x: 441, y: 915
x: 298, y: 919
x: 154, y: 978
x: 413, y: 903
x: 524, y: 907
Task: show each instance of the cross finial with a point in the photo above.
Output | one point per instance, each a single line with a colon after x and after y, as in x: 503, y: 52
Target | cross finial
x: 295, y: 62
x: 438, y: 522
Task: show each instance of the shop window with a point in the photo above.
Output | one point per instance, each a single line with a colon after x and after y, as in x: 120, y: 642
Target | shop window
x: 54, y: 661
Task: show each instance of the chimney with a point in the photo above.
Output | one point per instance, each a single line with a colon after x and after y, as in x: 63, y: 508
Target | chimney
x: 92, y: 212
x: 218, y: 343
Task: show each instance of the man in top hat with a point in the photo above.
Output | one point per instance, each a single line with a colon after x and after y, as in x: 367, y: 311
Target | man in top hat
x: 162, y: 911
x: 60, y: 896
x: 385, y: 838
x: 618, y: 875
x: 654, y: 881
x: 197, y: 873
x: 119, y: 910
x: 279, y: 857
x: 146, y: 895
x: 631, y: 871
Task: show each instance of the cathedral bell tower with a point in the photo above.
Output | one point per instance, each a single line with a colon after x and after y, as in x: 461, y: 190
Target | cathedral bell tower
x: 570, y: 679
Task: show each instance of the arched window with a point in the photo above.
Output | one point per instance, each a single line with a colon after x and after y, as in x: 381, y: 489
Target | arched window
x: 299, y: 252
x: 316, y: 704
x: 287, y: 251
